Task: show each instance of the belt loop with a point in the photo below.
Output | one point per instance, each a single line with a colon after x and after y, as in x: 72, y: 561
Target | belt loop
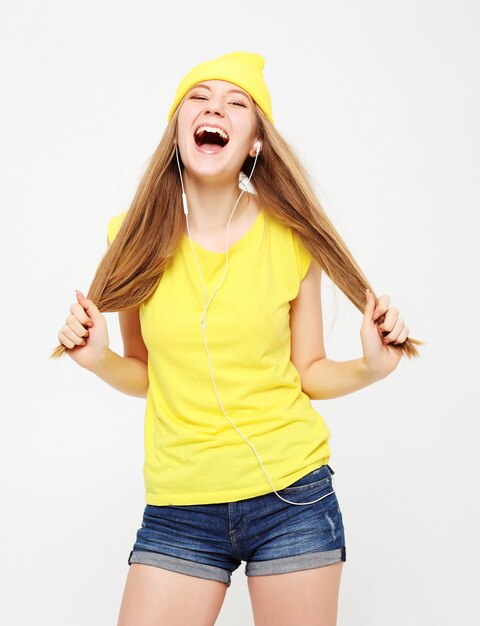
x: 331, y: 470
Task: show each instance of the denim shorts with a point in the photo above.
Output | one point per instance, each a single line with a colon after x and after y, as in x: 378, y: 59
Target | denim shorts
x: 270, y: 535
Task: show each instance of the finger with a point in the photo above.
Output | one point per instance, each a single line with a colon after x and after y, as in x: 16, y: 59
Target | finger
x: 68, y: 332
x: 391, y: 317
x: 65, y: 341
x: 382, y: 305
x: 402, y: 336
x: 395, y: 332
x: 88, y: 305
x: 369, y: 306
x: 80, y: 313
x: 75, y: 325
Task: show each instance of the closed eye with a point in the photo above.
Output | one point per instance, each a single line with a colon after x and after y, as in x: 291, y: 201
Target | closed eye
x: 203, y: 98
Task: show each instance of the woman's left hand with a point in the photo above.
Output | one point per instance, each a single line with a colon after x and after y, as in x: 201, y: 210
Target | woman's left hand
x: 379, y: 357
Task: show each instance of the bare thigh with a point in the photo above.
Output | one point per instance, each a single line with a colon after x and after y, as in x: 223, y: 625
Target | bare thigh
x: 154, y: 596
x: 308, y: 597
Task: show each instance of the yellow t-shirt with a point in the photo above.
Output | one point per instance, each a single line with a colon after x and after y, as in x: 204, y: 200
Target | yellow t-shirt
x: 193, y: 455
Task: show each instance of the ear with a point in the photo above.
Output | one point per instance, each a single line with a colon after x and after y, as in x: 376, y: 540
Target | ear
x: 253, y: 150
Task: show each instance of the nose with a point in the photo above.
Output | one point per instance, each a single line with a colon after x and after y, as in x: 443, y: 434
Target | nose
x: 214, y: 106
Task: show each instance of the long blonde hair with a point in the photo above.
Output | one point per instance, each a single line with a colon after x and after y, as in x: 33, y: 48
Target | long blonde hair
x: 151, y: 232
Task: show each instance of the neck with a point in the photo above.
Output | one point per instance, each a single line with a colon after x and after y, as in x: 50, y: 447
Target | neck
x: 211, y: 204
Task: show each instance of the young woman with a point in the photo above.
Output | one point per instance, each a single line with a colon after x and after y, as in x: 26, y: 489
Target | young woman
x: 217, y: 285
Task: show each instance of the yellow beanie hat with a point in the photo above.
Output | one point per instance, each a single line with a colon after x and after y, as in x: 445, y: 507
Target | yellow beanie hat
x: 241, y: 68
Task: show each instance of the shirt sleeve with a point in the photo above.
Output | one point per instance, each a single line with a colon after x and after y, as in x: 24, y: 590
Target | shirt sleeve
x: 114, y: 225
x: 302, y: 255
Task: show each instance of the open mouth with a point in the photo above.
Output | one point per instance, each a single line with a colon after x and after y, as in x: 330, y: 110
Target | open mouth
x: 210, y: 140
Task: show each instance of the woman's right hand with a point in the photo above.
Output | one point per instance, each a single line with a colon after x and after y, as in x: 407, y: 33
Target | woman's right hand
x: 85, y: 333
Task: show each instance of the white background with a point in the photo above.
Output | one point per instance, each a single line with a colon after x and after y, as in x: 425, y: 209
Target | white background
x: 380, y: 100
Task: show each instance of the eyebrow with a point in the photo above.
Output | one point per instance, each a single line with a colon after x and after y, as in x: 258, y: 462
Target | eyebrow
x: 229, y: 91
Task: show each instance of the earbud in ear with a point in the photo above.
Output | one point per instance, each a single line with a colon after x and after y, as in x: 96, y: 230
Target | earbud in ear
x: 258, y: 146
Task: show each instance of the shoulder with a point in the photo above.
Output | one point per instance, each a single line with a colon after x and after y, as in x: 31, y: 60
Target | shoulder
x: 289, y: 245
x: 114, y: 224
x: 302, y: 255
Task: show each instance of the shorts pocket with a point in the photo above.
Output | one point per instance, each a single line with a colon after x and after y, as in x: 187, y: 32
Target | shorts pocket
x: 313, y: 480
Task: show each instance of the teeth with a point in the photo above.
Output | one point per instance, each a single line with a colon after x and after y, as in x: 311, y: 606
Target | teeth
x: 212, y: 129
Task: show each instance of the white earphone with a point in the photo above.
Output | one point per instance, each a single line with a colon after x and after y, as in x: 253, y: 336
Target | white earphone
x: 257, y: 145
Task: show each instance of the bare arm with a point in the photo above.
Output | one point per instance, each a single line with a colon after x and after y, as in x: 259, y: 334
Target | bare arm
x: 322, y: 378
x: 325, y: 378
x: 128, y: 374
